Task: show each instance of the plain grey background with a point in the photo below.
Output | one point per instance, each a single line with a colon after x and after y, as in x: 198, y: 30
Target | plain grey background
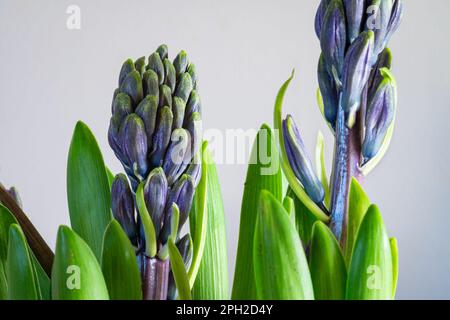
x: 51, y: 77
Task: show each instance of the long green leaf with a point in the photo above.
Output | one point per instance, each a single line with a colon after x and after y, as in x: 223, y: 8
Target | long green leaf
x: 281, y: 269
x: 290, y: 176
x: 6, y: 220
x: 358, y: 204
x: 394, y: 250
x: 327, y: 265
x: 76, y: 274
x: 110, y: 176
x: 119, y: 265
x: 179, y: 272
x: 88, y: 190
x: 212, y: 277
x: 264, y: 156
x: 370, y: 275
x: 20, y: 273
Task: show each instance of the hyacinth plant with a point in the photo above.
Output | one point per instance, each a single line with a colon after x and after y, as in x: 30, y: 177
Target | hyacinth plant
x: 323, y: 239
x: 126, y: 238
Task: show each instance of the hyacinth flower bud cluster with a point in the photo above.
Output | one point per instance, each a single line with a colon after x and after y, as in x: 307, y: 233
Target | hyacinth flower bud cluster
x: 358, y: 97
x: 155, y: 132
x: 358, y: 90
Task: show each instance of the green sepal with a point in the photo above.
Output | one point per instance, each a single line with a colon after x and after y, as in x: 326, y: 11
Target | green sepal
x: 281, y: 269
x: 88, y: 190
x: 264, y: 156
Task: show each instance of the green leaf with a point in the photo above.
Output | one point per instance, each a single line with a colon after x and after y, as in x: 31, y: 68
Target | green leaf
x: 76, y: 274
x: 147, y: 223
x: 394, y: 250
x: 370, y: 275
x: 320, y: 166
x: 304, y: 219
x: 119, y: 265
x: 322, y: 107
x: 290, y: 176
x: 6, y: 220
x: 327, y: 265
x: 200, y: 216
x: 211, y: 282
x: 281, y: 269
x: 42, y: 278
x: 264, y: 157
x: 179, y: 272
x: 358, y: 204
x: 3, y: 283
x: 88, y: 191
x: 20, y: 272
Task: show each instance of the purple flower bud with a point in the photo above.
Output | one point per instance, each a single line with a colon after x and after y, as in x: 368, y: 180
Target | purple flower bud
x: 174, y: 161
x: 320, y: 14
x: 300, y: 161
x: 170, y: 73
x: 134, y: 144
x: 155, y: 195
x: 139, y: 64
x: 193, y: 73
x: 356, y: 74
x: 185, y: 248
x: 132, y: 85
x: 155, y: 63
x: 195, y: 127
x: 384, y: 61
x: 182, y: 194
x: 161, y: 137
x: 122, y: 206
x: 147, y: 110
x: 180, y: 63
x: 379, y: 116
x: 127, y: 67
x: 150, y: 83
x: 14, y: 193
x: 333, y: 38
x: 122, y: 105
x: 355, y: 11
x: 195, y: 169
x: 184, y: 87
x: 328, y: 91
x: 193, y: 105
x: 394, y: 22
x: 114, y: 136
x: 163, y: 51
x: 165, y: 96
x: 378, y: 22
x: 178, y: 109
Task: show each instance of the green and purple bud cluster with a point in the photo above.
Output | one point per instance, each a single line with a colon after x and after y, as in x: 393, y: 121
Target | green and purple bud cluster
x: 155, y: 132
x: 353, y: 36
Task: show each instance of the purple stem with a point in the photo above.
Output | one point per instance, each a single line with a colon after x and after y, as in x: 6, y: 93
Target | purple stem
x: 155, y: 278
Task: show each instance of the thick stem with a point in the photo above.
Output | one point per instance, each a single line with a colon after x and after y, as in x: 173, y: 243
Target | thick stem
x: 155, y: 278
x: 345, y: 165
